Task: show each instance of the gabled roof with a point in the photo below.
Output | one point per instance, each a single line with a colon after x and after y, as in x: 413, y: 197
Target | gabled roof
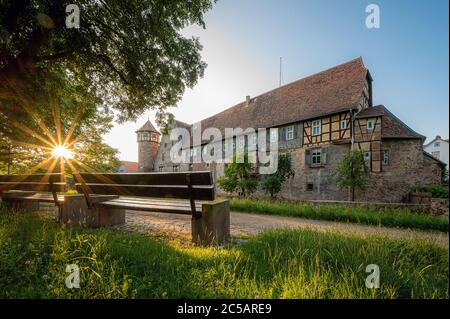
x: 434, y: 158
x: 331, y: 91
x: 148, y: 127
x: 435, y: 139
x: 391, y: 126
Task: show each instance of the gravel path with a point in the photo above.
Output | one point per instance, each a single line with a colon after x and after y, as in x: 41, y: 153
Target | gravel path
x: 243, y: 224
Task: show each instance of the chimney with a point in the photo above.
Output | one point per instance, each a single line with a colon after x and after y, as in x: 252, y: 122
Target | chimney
x: 247, y: 100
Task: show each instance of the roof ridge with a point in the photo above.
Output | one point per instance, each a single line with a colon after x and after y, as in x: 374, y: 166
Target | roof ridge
x: 291, y: 83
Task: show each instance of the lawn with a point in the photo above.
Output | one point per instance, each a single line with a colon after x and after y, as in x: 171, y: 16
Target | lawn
x: 403, y: 218
x: 35, y: 250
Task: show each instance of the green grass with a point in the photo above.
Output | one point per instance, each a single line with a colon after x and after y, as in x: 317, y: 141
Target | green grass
x: 403, y: 218
x: 34, y: 253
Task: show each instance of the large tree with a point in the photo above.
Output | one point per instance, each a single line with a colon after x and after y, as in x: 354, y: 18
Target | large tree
x: 130, y: 54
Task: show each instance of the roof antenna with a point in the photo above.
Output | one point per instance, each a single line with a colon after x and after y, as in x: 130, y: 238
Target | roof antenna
x: 281, y: 71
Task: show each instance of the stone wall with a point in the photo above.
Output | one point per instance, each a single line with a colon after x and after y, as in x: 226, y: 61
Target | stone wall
x: 408, y: 167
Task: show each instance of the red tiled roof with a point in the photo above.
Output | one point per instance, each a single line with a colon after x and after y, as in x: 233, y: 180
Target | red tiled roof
x: 130, y: 167
x: 148, y: 127
x: 337, y: 89
x: 391, y: 126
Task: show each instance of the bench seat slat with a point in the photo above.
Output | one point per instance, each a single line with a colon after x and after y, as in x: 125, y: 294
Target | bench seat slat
x: 33, y: 186
x: 162, y: 191
x: 37, y: 178
x: 145, y: 202
x: 150, y: 208
x: 158, y: 178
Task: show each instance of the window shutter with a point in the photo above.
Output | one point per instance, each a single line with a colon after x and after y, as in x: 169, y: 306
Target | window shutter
x: 300, y: 133
x: 283, y: 134
x: 308, y: 157
x: 323, y: 159
x: 295, y: 131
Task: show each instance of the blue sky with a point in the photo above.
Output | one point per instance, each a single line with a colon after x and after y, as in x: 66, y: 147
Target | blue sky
x: 408, y: 57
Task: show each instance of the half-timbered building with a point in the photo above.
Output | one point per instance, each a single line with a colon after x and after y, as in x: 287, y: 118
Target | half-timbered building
x: 318, y: 119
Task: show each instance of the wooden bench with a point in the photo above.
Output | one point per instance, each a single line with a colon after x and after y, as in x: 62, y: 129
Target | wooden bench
x: 106, y: 197
x: 25, y: 192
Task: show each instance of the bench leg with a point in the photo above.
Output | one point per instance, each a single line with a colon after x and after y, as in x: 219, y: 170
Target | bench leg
x: 213, y: 227
x: 75, y: 212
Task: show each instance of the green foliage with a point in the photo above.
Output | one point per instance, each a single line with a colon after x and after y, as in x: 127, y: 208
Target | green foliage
x: 367, y: 215
x: 445, y: 176
x: 239, y: 177
x: 34, y: 253
x: 35, y: 122
x: 437, y: 191
x: 352, y: 172
x: 272, y: 183
x: 131, y: 55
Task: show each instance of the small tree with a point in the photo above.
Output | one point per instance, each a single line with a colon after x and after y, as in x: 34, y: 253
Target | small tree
x: 272, y: 183
x: 352, y: 173
x: 239, y: 177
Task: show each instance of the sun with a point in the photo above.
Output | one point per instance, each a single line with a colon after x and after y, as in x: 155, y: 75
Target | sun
x: 62, y: 151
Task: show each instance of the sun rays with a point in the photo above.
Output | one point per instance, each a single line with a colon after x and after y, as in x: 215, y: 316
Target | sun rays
x: 55, y: 147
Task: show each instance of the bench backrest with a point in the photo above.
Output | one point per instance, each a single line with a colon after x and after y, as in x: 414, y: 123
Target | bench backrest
x: 181, y: 185
x: 52, y: 182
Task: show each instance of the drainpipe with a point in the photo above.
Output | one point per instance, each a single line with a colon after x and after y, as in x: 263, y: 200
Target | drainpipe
x: 352, y: 127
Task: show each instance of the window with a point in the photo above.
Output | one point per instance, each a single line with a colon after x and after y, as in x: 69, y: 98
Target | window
x: 436, y: 154
x: 176, y: 168
x: 289, y: 133
x: 211, y: 152
x: 273, y: 135
x: 343, y: 124
x: 191, y: 152
x: 385, y: 157
x: 316, y: 155
x: 161, y: 168
x: 316, y: 127
x: 309, y: 186
x: 367, y: 156
x: 437, y: 144
x: 154, y: 137
x: 370, y: 124
x: 191, y: 167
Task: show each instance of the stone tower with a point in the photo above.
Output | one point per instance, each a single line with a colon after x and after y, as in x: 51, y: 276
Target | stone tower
x: 148, y: 139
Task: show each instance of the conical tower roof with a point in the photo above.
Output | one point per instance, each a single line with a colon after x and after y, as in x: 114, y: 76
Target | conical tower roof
x: 148, y: 127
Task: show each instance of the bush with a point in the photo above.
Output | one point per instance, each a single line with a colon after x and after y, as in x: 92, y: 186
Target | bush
x: 437, y: 191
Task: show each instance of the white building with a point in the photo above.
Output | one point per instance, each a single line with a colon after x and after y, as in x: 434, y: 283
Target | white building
x: 438, y: 148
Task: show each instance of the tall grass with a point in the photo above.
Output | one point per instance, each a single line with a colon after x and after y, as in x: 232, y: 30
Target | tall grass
x: 34, y: 253
x: 363, y: 215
